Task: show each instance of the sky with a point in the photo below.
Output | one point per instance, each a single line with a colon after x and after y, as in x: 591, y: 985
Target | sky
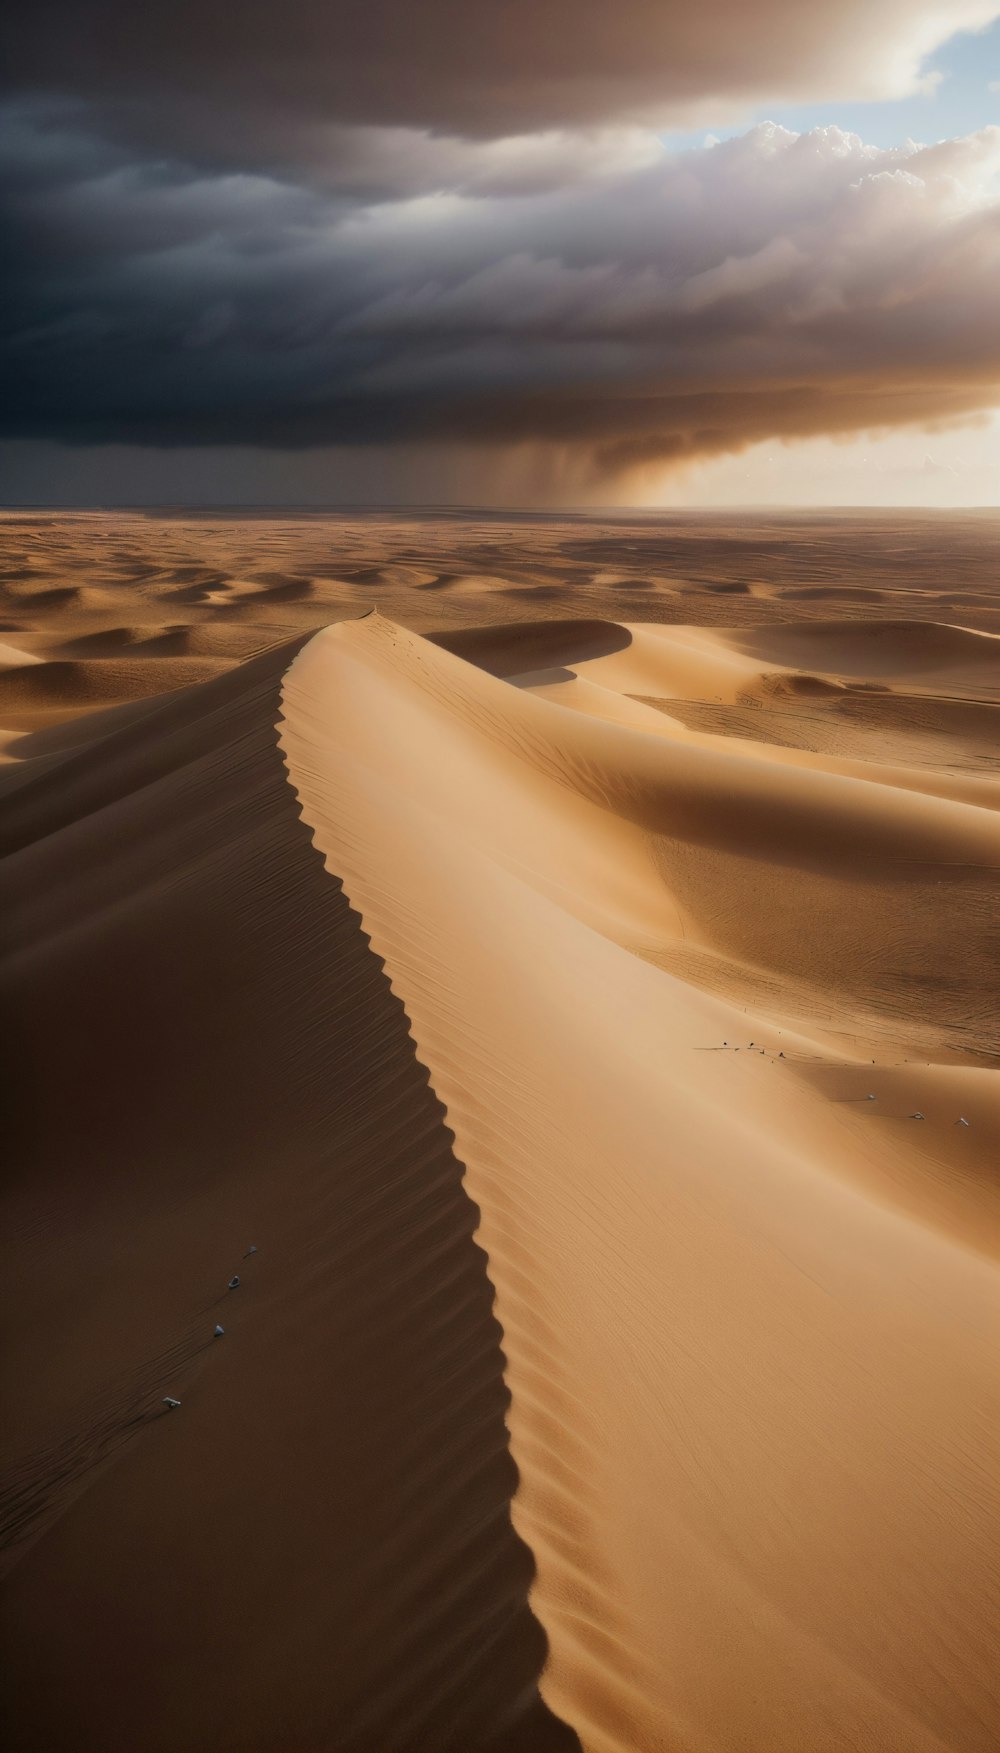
x: 957, y: 92
x: 548, y: 253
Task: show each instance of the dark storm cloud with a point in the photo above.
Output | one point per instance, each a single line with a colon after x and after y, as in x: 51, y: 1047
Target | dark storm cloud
x: 385, y: 222
x: 255, y: 80
x: 617, y: 297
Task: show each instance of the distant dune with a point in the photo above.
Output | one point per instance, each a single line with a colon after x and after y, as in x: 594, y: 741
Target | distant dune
x: 580, y: 1037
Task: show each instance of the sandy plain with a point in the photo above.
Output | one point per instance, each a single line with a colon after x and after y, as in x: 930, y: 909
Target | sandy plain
x: 565, y: 951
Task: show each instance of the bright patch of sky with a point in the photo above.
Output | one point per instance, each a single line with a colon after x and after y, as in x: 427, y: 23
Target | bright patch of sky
x: 955, y: 468
x: 964, y: 98
x: 958, y: 466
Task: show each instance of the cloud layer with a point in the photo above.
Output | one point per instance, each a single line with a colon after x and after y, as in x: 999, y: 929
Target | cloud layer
x: 258, y: 80
x: 591, y: 291
x: 382, y: 224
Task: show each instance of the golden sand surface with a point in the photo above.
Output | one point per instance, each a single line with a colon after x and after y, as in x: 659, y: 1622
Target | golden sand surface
x: 554, y: 963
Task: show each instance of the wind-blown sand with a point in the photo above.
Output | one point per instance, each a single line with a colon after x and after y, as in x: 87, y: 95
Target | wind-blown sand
x: 613, y: 1371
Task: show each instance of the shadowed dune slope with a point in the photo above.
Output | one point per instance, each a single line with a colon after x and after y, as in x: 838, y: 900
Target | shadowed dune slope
x: 316, y: 1552
x: 508, y: 648
x: 748, y: 1316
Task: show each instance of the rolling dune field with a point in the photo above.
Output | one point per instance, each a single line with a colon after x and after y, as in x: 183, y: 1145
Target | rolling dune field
x: 553, y: 963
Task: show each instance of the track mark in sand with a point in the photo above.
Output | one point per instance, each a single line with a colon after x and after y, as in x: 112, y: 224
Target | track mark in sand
x: 43, y: 1484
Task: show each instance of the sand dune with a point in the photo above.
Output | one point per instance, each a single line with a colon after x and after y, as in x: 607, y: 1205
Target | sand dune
x: 53, y: 686
x: 880, y: 649
x: 550, y: 1003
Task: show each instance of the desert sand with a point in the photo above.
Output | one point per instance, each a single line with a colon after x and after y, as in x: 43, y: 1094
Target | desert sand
x: 554, y: 963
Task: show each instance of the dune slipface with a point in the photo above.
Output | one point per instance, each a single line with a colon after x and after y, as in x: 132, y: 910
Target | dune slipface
x: 316, y: 1549
x: 549, y: 1006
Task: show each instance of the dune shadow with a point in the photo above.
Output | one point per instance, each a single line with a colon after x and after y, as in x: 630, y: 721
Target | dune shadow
x: 225, y: 1042
x: 511, y: 649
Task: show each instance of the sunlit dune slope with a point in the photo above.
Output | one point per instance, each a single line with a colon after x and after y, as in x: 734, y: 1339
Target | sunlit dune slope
x: 748, y: 1339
